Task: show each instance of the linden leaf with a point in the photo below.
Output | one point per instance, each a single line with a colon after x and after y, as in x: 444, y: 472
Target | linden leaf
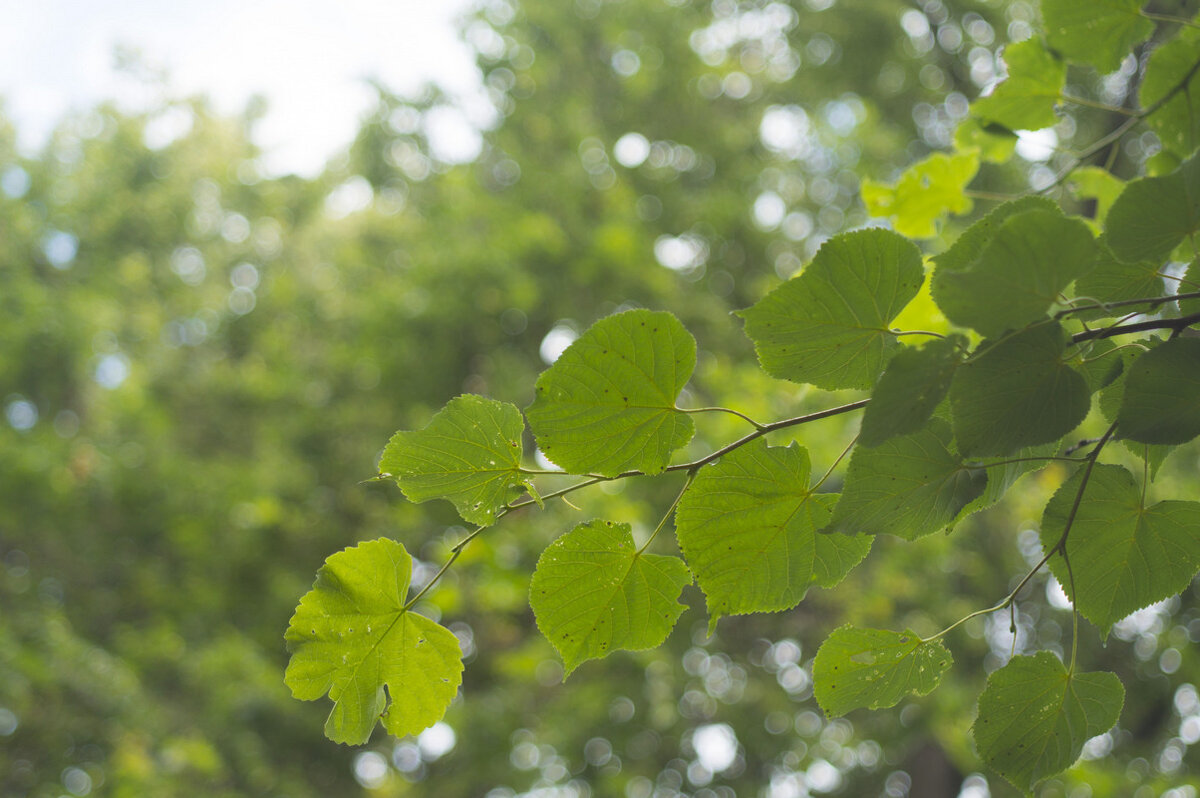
x: 1017, y: 391
x: 1154, y: 214
x: 925, y: 193
x: 1099, y: 32
x: 748, y: 525
x: 593, y: 592
x: 1124, y: 555
x: 1161, y: 403
x: 607, y: 405
x: 829, y: 325
x: 1025, y: 99
x: 470, y: 453
x: 1177, y: 120
x: 874, y: 668
x: 352, y: 636
x: 1034, y: 717
x: 908, y: 487
x: 912, y: 386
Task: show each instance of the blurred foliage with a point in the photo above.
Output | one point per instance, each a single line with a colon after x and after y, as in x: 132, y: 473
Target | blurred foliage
x: 200, y: 363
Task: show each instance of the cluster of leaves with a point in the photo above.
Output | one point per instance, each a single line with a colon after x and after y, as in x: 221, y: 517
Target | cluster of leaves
x: 1047, y: 317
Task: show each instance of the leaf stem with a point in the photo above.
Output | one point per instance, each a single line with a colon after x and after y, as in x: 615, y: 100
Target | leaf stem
x: 687, y: 484
x: 899, y: 333
x: 1153, y: 301
x: 829, y: 471
x: 1044, y: 458
x: 731, y: 411
x: 454, y: 555
x: 1099, y: 106
x: 1168, y: 18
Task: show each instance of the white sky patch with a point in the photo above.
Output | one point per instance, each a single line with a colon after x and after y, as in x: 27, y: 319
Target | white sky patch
x: 308, y: 58
x: 556, y: 342
x: 1037, y: 145
x: 715, y: 746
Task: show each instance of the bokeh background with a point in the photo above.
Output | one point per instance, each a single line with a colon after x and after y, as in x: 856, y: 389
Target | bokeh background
x: 219, y: 296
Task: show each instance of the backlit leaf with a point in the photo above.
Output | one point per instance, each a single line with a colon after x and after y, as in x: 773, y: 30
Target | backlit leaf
x: 909, y: 486
x: 1162, y: 394
x: 1034, y: 717
x: 1018, y: 391
x: 875, y: 668
x: 351, y: 637
x: 470, y: 453
x: 913, y: 384
x: 1177, y: 122
x: 607, y: 405
x: 1124, y: 555
x: 829, y: 325
x: 1018, y: 274
x: 1098, y: 32
x: 748, y: 529
x: 1096, y: 183
x: 593, y: 592
x: 1025, y: 99
x: 967, y: 248
x: 926, y: 192
x: 1154, y: 214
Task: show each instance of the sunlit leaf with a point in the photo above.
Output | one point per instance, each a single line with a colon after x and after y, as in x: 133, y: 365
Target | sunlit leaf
x: 352, y: 637
x: 593, y: 593
x: 875, y: 668
x: 1034, y: 717
x: 470, y: 453
x: 1017, y: 391
x: 1025, y: 99
x: 909, y: 486
x: 1154, y: 214
x: 1177, y: 122
x: 607, y: 405
x: 748, y: 529
x: 967, y: 248
x: 1097, y: 32
x: 1161, y: 403
x: 913, y: 384
x: 995, y: 143
x: 829, y: 325
x: 1019, y: 273
x: 1123, y: 555
x: 1096, y: 183
x: 926, y: 192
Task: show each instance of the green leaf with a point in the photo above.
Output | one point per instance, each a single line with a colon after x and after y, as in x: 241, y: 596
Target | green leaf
x: 908, y: 487
x: 829, y: 325
x: 1162, y: 394
x: 1019, y: 273
x: 925, y: 193
x: 914, y: 383
x: 1026, y: 99
x: 1017, y: 391
x: 1034, y: 717
x: 351, y: 636
x: 1097, y: 183
x: 874, y: 668
x: 1154, y: 214
x: 1003, y: 476
x: 470, y: 453
x: 607, y: 405
x: 1177, y: 122
x: 966, y: 250
x: 593, y: 592
x: 1124, y: 555
x: 748, y: 529
x: 1098, y: 32
x: 995, y: 143
x: 1111, y: 397
x: 1190, y: 285
x: 1112, y: 280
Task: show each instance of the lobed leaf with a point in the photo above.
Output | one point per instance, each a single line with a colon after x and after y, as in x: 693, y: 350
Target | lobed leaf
x: 908, y: 487
x: 469, y: 453
x: 351, y: 637
x: 874, y: 668
x: 1018, y: 273
x: 1035, y: 716
x: 1154, y: 214
x: 1017, y: 391
x: 1099, y: 32
x: 910, y: 388
x: 1124, y: 555
x: 748, y: 529
x: 829, y: 326
x: 1177, y: 121
x: 1161, y: 404
x: 594, y: 592
x: 607, y: 405
x: 925, y: 193
x: 1025, y: 99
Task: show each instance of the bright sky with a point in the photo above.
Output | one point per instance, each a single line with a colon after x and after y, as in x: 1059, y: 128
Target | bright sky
x: 307, y: 57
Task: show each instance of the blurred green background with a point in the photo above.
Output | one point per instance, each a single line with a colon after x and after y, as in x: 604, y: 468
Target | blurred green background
x: 200, y: 364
